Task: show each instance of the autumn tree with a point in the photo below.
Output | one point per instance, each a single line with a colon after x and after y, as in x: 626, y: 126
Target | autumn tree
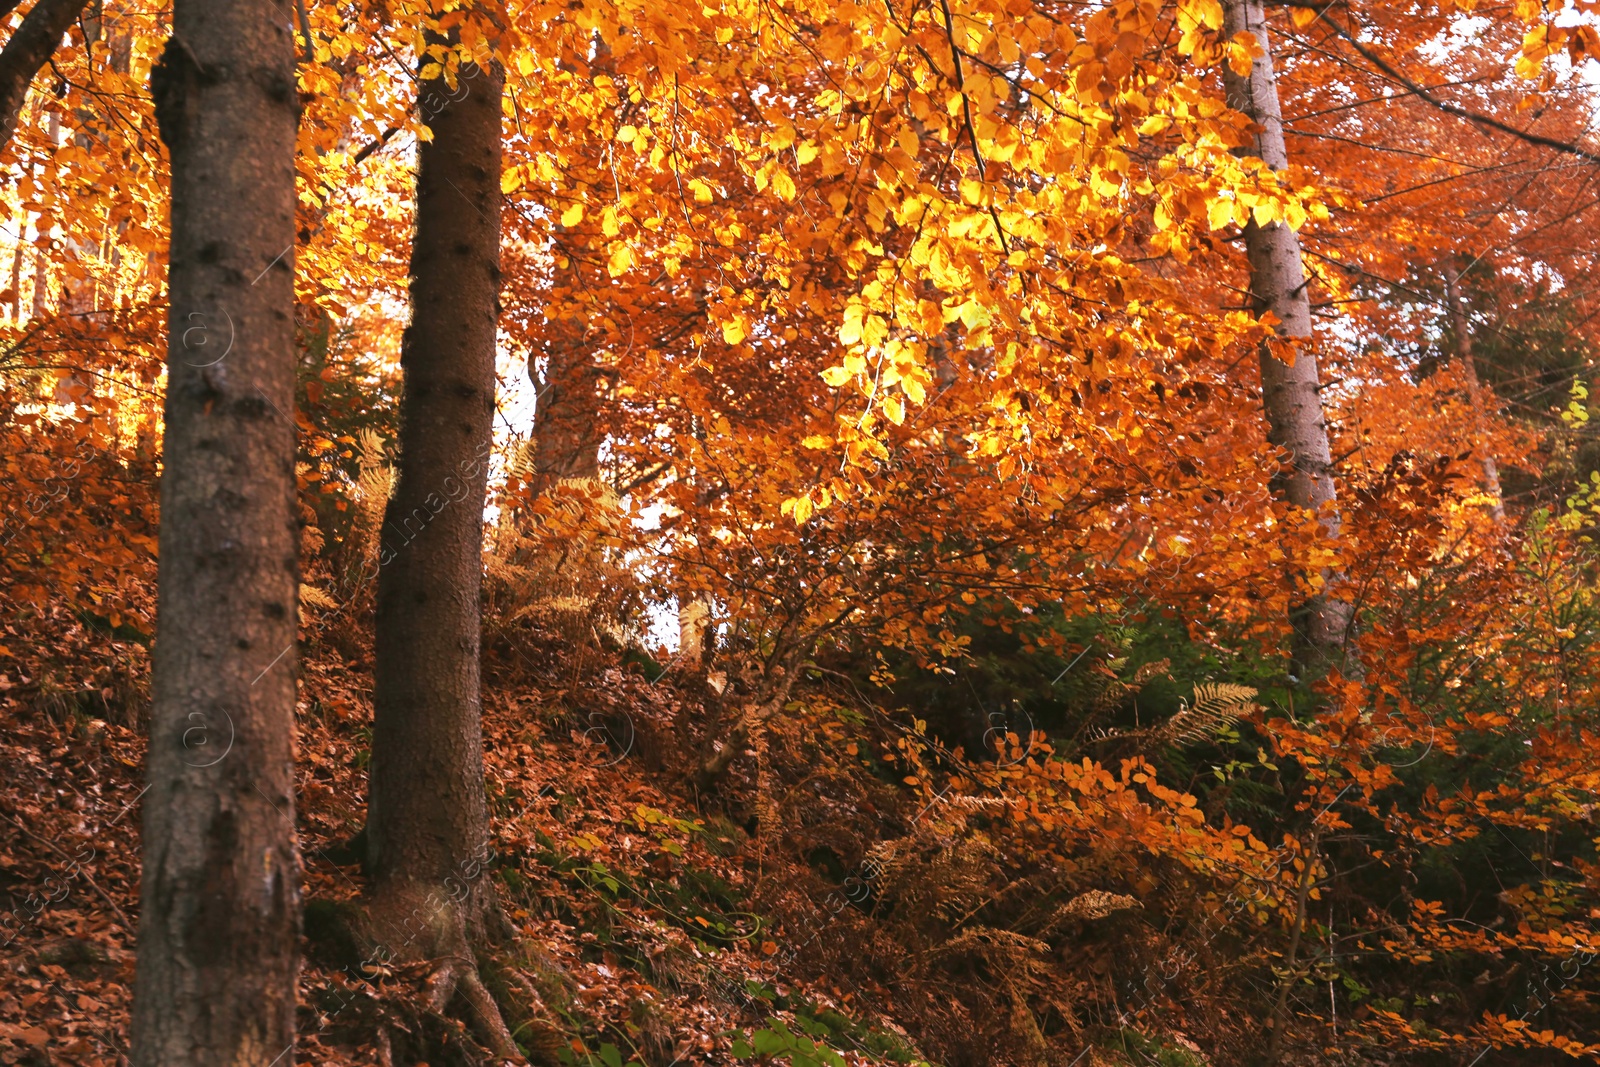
x: 219, y: 917
x: 427, y: 850
x: 1290, y: 387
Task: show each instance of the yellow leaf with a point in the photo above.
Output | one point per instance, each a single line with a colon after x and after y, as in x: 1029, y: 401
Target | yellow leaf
x: 783, y: 185
x: 701, y: 191
x: 806, y: 153
x: 511, y: 180
x: 734, y: 330
x: 894, y: 410
x: 1207, y: 13
x: 620, y: 261
x: 836, y: 376
x: 627, y: 134
x: 1219, y: 213
x: 914, y: 390
x: 802, y: 510
x: 524, y: 64
x: 1242, y: 51
x: 818, y: 440
x: 572, y: 216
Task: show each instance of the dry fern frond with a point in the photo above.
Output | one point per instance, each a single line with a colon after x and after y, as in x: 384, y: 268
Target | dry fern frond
x: 311, y: 595
x: 1216, y: 705
x: 977, y: 803
x: 374, y: 478
x: 373, y: 483
x: 992, y: 944
x: 1110, y: 688
x: 1091, y: 904
x: 933, y: 879
x: 1154, y: 669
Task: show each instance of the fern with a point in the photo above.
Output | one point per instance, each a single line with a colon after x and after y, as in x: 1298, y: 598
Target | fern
x: 1216, y: 705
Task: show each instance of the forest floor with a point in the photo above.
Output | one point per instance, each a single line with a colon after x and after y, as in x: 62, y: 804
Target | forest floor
x: 632, y: 903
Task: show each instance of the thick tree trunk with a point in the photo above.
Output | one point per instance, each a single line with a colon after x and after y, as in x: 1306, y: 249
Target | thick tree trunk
x: 427, y: 815
x: 1290, y: 391
x: 1480, y: 420
x: 34, y: 42
x: 219, y: 919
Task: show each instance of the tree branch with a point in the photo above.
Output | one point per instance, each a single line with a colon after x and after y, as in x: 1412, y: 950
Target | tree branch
x: 1447, y: 106
x: 33, y: 43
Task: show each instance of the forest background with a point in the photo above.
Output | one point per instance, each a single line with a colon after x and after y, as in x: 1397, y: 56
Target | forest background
x: 924, y: 531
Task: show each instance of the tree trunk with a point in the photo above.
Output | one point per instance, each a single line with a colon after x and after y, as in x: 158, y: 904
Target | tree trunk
x: 1290, y: 391
x: 1480, y: 421
x: 41, y: 263
x: 694, y: 623
x: 427, y: 815
x: 721, y: 752
x: 219, y: 918
x: 40, y: 304
x: 14, y: 305
x: 566, y: 420
x: 566, y: 431
x: 35, y: 41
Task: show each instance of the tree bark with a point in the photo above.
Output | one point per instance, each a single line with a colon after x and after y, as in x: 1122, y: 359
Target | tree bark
x: 566, y: 421
x: 1290, y: 391
x: 566, y: 418
x: 219, y: 919
x: 427, y: 815
x: 1480, y: 420
x: 14, y: 305
x: 35, y: 41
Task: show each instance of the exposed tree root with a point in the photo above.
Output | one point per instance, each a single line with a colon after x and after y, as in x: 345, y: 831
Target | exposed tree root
x: 453, y: 1015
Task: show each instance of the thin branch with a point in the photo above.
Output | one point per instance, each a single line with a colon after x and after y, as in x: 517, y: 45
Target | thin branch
x: 1449, y: 107
x: 34, y: 42
x: 966, y: 110
x: 126, y: 923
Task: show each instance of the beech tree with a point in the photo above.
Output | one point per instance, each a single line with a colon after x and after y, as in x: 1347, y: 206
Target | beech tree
x: 427, y: 848
x: 905, y: 338
x: 1461, y: 336
x: 1290, y: 388
x: 219, y: 916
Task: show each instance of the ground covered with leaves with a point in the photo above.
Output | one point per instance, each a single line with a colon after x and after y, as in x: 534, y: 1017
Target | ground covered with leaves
x: 856, y: 889
x: 658, y: 926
